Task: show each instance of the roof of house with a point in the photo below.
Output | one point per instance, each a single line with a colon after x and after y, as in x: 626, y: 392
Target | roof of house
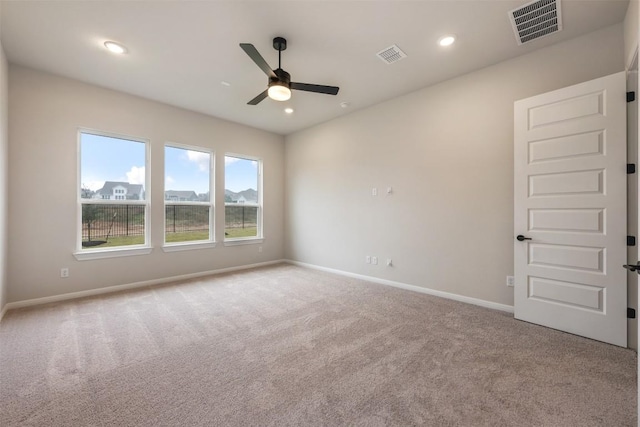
x: 132, y: 189
x: 181, y: 195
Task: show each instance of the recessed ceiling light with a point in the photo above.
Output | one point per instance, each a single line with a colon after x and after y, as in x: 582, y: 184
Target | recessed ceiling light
x: 345, y: 104
x: 115, y: 47
x: 223, y: 83
x: 288, y: 110
x: 446, y: 40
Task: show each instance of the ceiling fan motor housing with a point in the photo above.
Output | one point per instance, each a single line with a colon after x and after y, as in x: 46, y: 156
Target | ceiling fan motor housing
x: 282, y: 77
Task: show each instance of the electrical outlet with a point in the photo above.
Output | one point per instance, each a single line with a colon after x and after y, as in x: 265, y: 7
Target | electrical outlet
x: 64, y: 272
x: 374, y: 260
x: 510, y: 281
x: 259, y: 248
x: 374, y: 191
x: 367, y: 259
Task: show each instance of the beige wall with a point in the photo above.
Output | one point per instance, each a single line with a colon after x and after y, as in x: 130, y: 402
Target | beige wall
x: 630, y: 26
x: 4, y: 118
x: 447, y: 151
x: 46, y: 112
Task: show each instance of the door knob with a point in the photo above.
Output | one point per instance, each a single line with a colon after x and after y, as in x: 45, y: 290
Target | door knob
x: 521, y: 238
x: 633, y: 267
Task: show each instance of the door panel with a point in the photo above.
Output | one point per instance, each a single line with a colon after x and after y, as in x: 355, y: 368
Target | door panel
x: 567, y: 293
x: 585, y: 144
x: 577, y: 258
x: 566, y: 183
x: 567, y: 220
x: 567, y: 109
x: 570, y: 199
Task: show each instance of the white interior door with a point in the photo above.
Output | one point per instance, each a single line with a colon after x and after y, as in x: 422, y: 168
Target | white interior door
x: 570, y: 201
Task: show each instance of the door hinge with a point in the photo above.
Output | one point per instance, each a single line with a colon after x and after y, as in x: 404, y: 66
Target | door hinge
x: 631, y: 96
x: 631, y: 240
x: 631, y: 313
x: 631, y: 168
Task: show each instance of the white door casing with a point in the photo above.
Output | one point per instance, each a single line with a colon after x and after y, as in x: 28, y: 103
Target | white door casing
x: 570, y: 200
x: 632, y: 200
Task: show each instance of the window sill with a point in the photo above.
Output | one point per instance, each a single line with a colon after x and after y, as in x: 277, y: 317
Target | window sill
x: 247, y: 241
x: 176, y: 247
x: 111, y: 253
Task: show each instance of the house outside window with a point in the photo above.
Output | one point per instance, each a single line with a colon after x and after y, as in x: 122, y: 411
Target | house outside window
x: 243, y: 198
x: 189, y: 209
x: 113, y: 205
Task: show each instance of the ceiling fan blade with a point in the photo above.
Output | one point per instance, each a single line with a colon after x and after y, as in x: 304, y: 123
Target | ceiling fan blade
x: 257, y: 58
x: 257, y: 99
x: 329, y: 90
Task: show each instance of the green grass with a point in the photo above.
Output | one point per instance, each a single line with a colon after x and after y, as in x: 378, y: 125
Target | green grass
x: 233, y: 233
x: 119, y: 241
x: 230, y: 233
x: 186, y: 237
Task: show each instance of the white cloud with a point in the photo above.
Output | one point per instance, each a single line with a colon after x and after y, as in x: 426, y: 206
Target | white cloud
x: 200, y: 158
x: 228, y: 160
x: 93, y: 185
x: 168, y: 180
x: 136, y: 175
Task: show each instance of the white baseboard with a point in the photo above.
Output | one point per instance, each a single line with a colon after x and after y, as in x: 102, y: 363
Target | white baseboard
x: 128, y: 286
x: 447, y: 295
x: 135, y: 285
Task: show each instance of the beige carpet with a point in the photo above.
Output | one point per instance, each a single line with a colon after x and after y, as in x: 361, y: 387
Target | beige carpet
x: 287, y: 346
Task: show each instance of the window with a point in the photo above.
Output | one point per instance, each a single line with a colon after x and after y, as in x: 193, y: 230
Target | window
x: 188, y: 204
x: 113, y: 201
x: 242, y: 198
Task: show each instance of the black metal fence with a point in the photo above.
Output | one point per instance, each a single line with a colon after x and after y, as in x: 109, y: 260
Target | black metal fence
x: 240, y: 216
x: 186, y: 218
x: 100, y: 221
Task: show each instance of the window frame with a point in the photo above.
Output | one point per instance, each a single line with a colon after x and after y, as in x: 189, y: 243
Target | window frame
x: 195, y: 244
x: 259, y: 238
x: 117, y: 251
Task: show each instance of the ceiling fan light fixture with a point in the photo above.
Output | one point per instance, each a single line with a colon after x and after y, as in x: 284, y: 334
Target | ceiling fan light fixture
x: 279, y: 92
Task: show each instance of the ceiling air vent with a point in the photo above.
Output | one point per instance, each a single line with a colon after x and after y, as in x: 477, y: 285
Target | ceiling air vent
x: 536, y: 19
x: 391, y: 54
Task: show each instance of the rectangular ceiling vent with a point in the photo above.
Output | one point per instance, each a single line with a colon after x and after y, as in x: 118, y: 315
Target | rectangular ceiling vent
x: 391, y: 54
x: 536, y: 19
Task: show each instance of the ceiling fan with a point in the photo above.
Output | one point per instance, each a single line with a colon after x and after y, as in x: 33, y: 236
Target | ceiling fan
x: 280, y: 84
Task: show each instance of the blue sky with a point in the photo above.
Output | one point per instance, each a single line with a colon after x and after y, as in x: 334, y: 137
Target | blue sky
x: 240, y: 174
x: 113, y: 159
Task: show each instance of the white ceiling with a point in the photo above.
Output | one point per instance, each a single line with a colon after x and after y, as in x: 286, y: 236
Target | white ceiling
x: 181, y: 51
